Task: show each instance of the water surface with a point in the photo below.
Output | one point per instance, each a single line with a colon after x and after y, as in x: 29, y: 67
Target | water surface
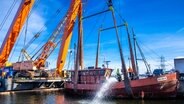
x: 58, y: 97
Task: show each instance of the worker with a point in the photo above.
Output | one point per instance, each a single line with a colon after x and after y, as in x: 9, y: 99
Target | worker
x: 131, y: 74
x: 118, y: 75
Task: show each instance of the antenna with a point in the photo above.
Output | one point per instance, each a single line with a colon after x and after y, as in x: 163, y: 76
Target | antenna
x: 107, y: 63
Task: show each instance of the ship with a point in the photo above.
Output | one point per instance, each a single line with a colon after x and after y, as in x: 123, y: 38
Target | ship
x: 31, y: 74
x: 88, y: 81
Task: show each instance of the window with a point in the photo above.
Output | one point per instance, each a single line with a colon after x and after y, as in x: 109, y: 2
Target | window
x: 102, y: 72
x: 96, y: 73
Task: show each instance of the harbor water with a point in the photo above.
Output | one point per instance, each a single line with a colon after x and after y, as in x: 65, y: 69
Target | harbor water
x: 58, y: 97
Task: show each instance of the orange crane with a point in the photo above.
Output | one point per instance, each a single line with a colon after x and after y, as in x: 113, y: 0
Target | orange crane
x: 47, y: 48
x: 66, y: 25
x: 50, y: 45
x: 14, y: 30
x: 74, y: 11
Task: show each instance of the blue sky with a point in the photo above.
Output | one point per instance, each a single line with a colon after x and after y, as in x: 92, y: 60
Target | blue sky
x: 158, y: 24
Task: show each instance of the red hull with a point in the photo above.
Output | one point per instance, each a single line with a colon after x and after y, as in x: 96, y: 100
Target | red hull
x: 160, y: 86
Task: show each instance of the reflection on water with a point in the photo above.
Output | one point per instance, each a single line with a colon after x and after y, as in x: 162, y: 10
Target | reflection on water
x: 57, y: 97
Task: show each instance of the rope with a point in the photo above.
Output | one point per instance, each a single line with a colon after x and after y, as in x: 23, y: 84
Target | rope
x: 16, y: 44
x: 25, y: 36
x: 25, y: 27
x: 58, y: 11
x: 8, y: 14
x: 93, y: 28
x: 155, y: 53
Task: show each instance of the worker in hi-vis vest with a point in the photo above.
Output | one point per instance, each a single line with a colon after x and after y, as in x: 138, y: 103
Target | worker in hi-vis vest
x: 118, y: 75
x: 130, y: 72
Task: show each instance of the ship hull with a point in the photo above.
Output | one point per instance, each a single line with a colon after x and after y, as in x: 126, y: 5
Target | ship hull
x: 29, y: 84
x: 151, y: 87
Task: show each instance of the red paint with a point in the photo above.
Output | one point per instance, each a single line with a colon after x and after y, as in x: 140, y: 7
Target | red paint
x: 147, y: 87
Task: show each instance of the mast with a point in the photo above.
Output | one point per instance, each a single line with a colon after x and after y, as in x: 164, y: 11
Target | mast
x: 126, y: 79
x: 79, y: 56
x: 97, y: 51
x: 142, y: 55
x: 80, y: 43
x: 74, y: 54
x: 135, y: 51
x: 131, y: 52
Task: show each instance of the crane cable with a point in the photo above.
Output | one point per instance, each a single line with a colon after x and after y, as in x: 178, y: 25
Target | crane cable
x: 25, y: 36
x: 14, y: 48
x: 58, y: 11
x: 25, y: 26
x: 41, y: 30
x: 8, y: 14
x: 26, y: 29
x: 31, y: 12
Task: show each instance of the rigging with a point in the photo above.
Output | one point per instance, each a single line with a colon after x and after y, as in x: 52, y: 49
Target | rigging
x: 8, y: 14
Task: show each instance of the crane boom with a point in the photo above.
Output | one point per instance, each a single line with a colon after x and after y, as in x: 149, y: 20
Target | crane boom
x: 74, y: 10
x: 50, y: 45
x: 14, y: 30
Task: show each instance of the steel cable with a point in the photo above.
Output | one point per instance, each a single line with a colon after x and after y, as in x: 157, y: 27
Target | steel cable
x: 8, y: 14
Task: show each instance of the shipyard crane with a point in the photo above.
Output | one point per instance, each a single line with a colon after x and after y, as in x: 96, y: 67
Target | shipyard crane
x: 66, y: 25
x: 50, y: 45
x: 74, y: 11
x: 46, y: 49
x: 14, y: 30
x: 35, y: 67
